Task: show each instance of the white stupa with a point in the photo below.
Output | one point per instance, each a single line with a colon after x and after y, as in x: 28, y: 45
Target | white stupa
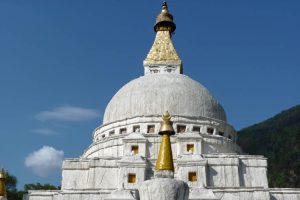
x: 125, y: 147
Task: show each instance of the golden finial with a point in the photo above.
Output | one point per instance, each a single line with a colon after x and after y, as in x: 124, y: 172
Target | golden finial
x: 164, y: 7
x: 166, y: 125
x: 2, y: 183
x: 165, y: 158
x: 164, y: 21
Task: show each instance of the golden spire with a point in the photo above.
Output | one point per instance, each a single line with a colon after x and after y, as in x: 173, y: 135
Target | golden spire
x: 163, y: 53
x: 165, y: 158
x: 2, y: 183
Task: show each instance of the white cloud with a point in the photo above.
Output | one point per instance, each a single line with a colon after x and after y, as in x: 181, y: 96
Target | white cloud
x: 44, y: 161
x: 68, y: 113
x: 43, y: 131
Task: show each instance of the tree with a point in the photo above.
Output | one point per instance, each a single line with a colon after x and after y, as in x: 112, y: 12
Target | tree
x: 11, y: 186
x: 10, y: 182
x: 278, y: 139
x: 39, y: 186
x: 13, y: 193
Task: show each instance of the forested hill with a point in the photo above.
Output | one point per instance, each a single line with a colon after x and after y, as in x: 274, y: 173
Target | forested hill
x: 278, y: 139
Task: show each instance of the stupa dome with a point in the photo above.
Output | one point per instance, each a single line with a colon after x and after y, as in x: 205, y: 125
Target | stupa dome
x: 155, y: 93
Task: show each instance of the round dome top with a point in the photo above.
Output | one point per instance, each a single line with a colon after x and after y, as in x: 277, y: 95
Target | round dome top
x: 155, y: 93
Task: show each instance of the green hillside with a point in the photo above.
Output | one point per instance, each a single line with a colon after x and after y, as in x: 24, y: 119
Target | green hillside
x: 278, y: 139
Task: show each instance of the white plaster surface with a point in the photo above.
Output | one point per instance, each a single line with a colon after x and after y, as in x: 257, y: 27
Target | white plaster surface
x: 41, y: 195
x: 134, y: 164
x: 194, y: 194
x: 164, y: 189
x: 242, y: 194
x: 213, y: 170
x: 223, y: 171
x: 192, y: 163
x: 117, y: 147
x: 93, y: 173
x: 253, y: 171
x: 154, y: 94
x: 120, y: 195
x: 189, y: 138
x: 134, y: 139
x: 202, y: 194
x: 285, y: 193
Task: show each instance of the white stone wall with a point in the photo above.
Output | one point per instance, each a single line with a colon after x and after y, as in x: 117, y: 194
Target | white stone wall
x: 191, y: 138
x: 114, y: 146
x: 221, y: 194
x: 122, y: 195
x: 134, y: 139
x: 140, y: 177
x: 153, y: 145
x: 217, y: 171
x: 75, y: 174
x: 223, y: 171
x: 95, y: 174
x: 103, y: 132
x: 190, y: 163
x: 106, y: 168
x: 83, y: 195
x: 285, y: 193
x: 134, y: 164
x: 253, y: 171
x: 42, y: 195
x: 104, y: 178
x: 242, y: 194
x: 110, y: 147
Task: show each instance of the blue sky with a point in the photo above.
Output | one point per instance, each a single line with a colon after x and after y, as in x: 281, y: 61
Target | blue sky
x: 62, y: 61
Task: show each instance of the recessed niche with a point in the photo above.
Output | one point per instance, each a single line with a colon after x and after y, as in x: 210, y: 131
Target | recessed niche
x: 151, y: 129
x: 181, y: 128
x: 192, y: 176
x: 190, y: 148
x: 196, y: 129
x: 111, y: 133
x: 131, y: 178
x: 221, y: 133
x: 135, y: 149
x: 210, y: 130
x: 123, y: 130
x: 136, y: 128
